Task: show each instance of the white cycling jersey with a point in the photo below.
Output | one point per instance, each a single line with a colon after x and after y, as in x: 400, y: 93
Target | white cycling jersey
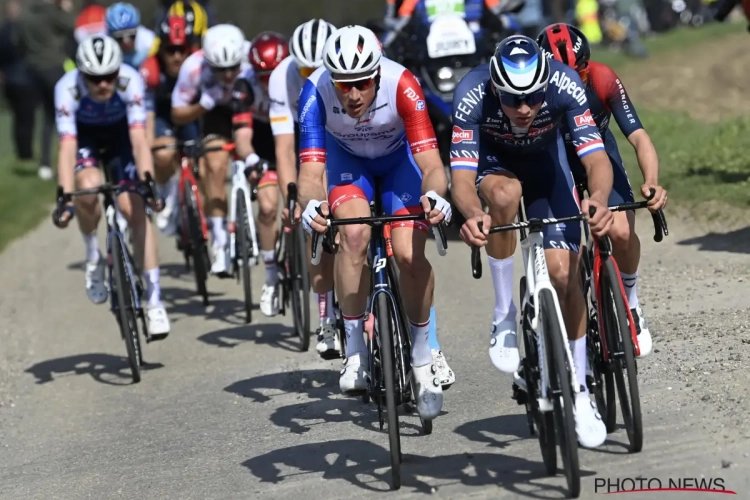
x: 397, y: 115
x: 75, y: 107
x: 261, y: 101
x: 196, y: 76
x: 284, y: 88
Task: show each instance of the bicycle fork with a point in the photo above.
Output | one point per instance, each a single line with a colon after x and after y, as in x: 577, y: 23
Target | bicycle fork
x: 240, y: 187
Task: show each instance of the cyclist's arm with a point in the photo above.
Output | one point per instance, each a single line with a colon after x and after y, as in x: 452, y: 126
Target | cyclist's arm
x: 65, y: 119
x: 410, y: 104
x: 137, y: 124
x: 242, y: 117
x: 312, y: 154
x: 464, y: 154
x: 282, y: 126
x: 184, y: 93
x: 149, y: 70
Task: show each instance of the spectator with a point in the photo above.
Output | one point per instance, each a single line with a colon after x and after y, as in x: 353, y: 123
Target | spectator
x: 43, y: 35
x: 17, y: 83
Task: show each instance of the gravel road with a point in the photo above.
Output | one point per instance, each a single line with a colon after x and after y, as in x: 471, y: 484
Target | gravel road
x: 232, y: 411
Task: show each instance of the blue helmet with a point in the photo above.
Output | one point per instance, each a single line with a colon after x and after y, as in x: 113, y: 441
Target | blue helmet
x: 121, y: 17
x: 518, y: 66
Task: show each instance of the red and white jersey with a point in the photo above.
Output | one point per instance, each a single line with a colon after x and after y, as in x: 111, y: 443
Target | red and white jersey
x: 398, y: 115
x: 258, y: 97
x: 284, y: 88
x: 196, y: 76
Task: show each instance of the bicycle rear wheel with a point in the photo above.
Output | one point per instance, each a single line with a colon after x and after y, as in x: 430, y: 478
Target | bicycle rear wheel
x: 383, y: 316
x: 242, y: 226
x: 197, y: 242
x: 125, y: 309
x: 300, y: 281
x: 561, y: 391
x: 618, y: 328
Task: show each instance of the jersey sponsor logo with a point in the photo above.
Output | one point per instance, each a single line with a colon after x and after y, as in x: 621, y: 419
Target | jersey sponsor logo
x: 75, y: 93
x: 122, y: 83
x: 469, y: 101
x: 136, y: 100
x: 279, y: 119
x: 306, y: 108
x: 411, y: 94
x: 461, y: 135
x: 420, y: 105
x: 405, y: 197
x: 564, y: 82
x: 584, y: 119
x: 62, y: 112
x: 346, y: 177
x: 336, y: 110
x: 492, y: 159
x: 625, y: 102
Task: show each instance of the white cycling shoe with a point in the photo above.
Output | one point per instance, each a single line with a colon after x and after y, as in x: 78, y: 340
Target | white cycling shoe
x: 354, y: 375
x: 429, y: 391
x: 504, y: 346
x: 590, y: 428
x: 269, y: 300
x: 166, y: 220
x: 328, y: 346
x: 220, y: 264
x: 96, y: 287
x: 157, y: 321
x: 444, y: 372
x: 645, y: 343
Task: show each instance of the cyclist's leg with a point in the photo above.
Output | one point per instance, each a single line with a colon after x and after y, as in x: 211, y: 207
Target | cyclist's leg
x: 268, y: 211
x: 401, y: 191
x: 549, y: 191
x: 217, y: 129
x: 88, y: 214
x: 165, y: 166
x: 501, y: 190
x: 350, y: 189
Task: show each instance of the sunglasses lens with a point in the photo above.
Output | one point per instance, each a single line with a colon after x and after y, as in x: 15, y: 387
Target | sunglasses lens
x: 515, y: 101
x: 346, y: 87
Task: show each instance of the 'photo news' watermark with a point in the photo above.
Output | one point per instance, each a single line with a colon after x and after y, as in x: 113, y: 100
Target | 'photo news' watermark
x: 655, y: 484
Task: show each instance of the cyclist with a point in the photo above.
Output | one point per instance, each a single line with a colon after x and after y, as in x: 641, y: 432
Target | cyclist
x: 364, y: 117
x: 607, y: 96
x: 101, y: 117
x: 90, y: 22
x: 254, y: 140
x: 160, y: 74
x: 124, y: 25
x: 204, y: 91
x: 285, y: 85
x: 507, y: 118
x: 196, y: 19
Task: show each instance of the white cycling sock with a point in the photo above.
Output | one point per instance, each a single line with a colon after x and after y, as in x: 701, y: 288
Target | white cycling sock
x: 91, y: 242
x: 272, y: 272
x: 502, y: 280
x: 153, y: 289
x: 420, y: 344
x: 218, y: 232
x: 325, y: 307
x: 171, y: 188
x: 578, y: 352
x: 355, y: 340
x: 630, y: 281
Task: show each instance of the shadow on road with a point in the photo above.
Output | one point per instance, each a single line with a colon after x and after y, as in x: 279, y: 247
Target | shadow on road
x: 356, y: 461
x: 315, y: 384
x: 186, y: 302
x: 737, y: 241
x: 272, y: 334
x: 491, y: 431
x: 104, y: 368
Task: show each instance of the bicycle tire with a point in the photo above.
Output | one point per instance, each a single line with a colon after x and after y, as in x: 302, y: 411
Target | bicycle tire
x: 385, y: 332
x: 242, y: 242
x: 197, y: 243
x: 560, y: 383
x: 300, y: 287
x: 125, y: 309
x: 619, y: 330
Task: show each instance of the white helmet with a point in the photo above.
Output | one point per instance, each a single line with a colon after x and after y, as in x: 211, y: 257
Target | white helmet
x: 519, y: 66
x: 223, y: 46
x: 98, y: 55
x: 307, y: 42
x: 351, y: 50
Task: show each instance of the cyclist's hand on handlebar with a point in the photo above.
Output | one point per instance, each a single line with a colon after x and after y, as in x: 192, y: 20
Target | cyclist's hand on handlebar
x: 660, y: 198
x: 61, y: 218
x: 601, y: 222
x: 470, y: 232
x: 441, y: 212
x: 314, y: 216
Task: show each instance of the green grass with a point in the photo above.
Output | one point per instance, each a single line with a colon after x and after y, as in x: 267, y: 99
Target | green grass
x: 24, y: 198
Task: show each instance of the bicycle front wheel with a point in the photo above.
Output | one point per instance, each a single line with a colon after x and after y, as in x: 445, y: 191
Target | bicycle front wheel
x: 197, y: 242
x: 383, y: 316
x: 243, y: 254
x: 125, y: 309
x: 559, y: 380
x: 626, y: 378
x: 300, y: 287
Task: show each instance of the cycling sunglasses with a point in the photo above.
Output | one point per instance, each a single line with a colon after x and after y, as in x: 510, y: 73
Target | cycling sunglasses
x: 583, y: 72
x: 176, y: 49
x: 346, y: 86
x: 97, y: 79
x: 124, y: 34
x: 515, y: 101
x: 230, y: 69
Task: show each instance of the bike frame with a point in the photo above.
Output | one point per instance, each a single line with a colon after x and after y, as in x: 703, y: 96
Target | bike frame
x: 240, y: 187
x: 186, y: 174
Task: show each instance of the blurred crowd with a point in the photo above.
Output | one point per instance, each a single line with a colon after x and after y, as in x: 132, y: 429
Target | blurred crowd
x: 38, y: 40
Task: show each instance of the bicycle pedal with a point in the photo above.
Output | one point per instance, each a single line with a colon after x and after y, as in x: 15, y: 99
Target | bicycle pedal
x: 156, y: 337
x: 521, y: 396
x: 330, y: 355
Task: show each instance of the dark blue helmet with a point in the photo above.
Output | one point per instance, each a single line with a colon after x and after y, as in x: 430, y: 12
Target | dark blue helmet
x: 518, y: 66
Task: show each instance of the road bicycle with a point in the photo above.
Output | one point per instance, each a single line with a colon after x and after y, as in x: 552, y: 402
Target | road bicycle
x: 548, y: 365
x: 391, y: 382
x: 125, y: 283
x: 612, y: 340
x: 295, y: 279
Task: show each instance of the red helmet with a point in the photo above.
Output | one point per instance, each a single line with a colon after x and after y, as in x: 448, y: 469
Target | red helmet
x: 267, y: 50
x: 567, y: 44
